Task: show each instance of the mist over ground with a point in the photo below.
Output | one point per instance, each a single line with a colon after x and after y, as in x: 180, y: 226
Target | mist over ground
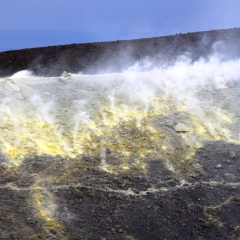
x: 152, y: 137
x: 82, y: 111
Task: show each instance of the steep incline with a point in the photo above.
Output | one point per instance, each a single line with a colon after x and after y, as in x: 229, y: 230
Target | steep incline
x: 118, y: 55
x: 144, y: 143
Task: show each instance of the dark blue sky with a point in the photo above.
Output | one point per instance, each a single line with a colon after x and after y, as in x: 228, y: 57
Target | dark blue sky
x: 33, y: 23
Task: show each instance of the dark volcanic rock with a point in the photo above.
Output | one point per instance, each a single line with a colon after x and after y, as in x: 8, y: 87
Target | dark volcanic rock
x: 119, y: 55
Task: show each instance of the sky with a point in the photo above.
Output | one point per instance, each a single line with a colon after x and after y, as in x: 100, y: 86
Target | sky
x: 37, y: 23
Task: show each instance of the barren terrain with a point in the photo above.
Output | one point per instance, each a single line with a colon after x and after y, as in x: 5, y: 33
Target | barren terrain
x: 122, y: 140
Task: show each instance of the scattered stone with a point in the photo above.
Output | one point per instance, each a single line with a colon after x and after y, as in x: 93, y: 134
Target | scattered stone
x: 53, y: 231
x: 65, y: 76
x: 168, y: 123
x: 230, y: 177
x: 218, y: 166
x: 181, y: 128
x: 120, y: 230
x: 232, y: 154
x: 13, y: 86
x: 206, y: 224
x: 199, y: 168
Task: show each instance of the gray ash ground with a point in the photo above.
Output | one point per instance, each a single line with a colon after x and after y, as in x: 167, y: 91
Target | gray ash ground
x: 206, y: 206
x: 203, y: 203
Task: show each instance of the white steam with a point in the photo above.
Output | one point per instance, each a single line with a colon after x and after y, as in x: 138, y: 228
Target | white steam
x: 71, y: 101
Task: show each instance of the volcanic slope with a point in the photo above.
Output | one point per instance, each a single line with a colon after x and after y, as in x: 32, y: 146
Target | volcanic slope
x: 122, y: 140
